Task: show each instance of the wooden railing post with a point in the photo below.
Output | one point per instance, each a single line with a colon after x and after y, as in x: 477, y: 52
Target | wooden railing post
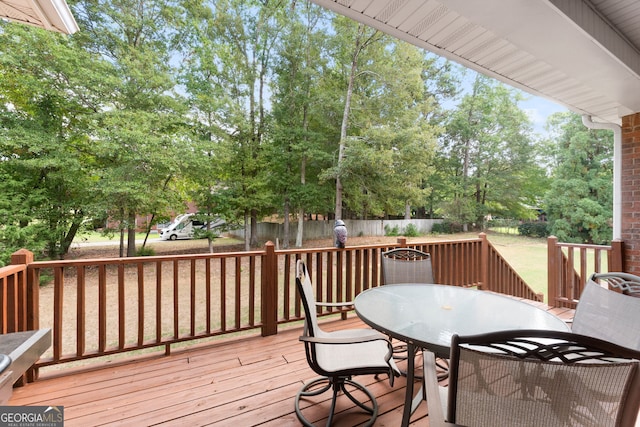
x: 485, y: 283
x: 269, y: 289
x: 402, y: 242
x: 28, y: 313
x: 616, y: 256
x: 553, y: 274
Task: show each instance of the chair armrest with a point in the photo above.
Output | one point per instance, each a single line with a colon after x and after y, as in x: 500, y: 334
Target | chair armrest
x: 432, y: 389
x: 374, y: 336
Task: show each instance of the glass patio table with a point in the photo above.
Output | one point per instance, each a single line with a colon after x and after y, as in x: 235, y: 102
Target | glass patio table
x: 427, y: 316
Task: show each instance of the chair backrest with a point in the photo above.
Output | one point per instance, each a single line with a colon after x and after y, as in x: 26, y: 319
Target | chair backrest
x: 608, y: 315
x: 406, y: 265
x: 542, y: 378
x: 303, y: 282
x: 629, y: 284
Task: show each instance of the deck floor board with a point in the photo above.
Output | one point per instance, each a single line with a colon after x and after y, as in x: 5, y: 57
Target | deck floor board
x: 240, y: 382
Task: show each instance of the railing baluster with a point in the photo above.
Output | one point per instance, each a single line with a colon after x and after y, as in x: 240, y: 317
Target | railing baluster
x: 141, y: 304
x: 208, y: 294
x: 80, y: 311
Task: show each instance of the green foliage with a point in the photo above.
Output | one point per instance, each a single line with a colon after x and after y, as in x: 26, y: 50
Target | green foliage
x: 241, y: 108
x: 13, y: 238
x: 534, y: 229
x: 145, y: 251
x: 411, y: 231
x: 48, y: 168
x: 391, y: 231
x: 446, y: 227
x: 579, y: 203
x: 488, y: 157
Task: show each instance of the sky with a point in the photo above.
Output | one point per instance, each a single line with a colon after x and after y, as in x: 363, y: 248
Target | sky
x: 538, y: 109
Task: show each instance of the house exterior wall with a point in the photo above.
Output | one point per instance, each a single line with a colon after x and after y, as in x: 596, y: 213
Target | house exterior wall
x: 630, y: 187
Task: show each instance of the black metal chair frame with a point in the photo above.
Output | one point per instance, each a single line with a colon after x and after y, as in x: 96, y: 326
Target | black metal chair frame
x: 628, y: 284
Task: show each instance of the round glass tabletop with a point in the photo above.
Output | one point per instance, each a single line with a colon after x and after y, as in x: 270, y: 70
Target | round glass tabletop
x: 428, y: 315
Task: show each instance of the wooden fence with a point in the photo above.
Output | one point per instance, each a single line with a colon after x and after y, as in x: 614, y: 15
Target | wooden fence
x: 101, y: 307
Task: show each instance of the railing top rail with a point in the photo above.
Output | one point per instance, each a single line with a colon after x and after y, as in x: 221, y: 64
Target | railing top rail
x: 377, y: 246
x: 164, y: 258
x: 583, y: 245
x: 144, y: 259
x: 10, y: 269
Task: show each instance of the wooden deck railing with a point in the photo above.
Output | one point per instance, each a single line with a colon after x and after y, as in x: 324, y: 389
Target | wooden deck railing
x: 100, y: 307
x: 570, y: 265
x: 17, y: 305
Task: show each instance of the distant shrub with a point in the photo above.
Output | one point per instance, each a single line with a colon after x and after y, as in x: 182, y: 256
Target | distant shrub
x: 391, y: 231
x: 411, y: 231
x: 445, y: 227
x: 534, y: 229
x: 145, y: 251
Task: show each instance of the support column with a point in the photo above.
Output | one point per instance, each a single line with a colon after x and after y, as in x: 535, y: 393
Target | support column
x: 630, y: 189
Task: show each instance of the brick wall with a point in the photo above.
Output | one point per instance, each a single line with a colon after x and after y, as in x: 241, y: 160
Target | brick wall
x: 630, y: 230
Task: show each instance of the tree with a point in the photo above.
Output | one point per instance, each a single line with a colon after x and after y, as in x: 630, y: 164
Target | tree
x: 234, y: 58
x: 491, y: 156
x: 139, y: 125
x: 361, y: 37
x: 47, y: 102
x: 579, y: 203
x: 296, y: 153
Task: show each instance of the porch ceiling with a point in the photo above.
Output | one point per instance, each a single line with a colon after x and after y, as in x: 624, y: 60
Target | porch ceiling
x: 53, y: 15
x: 583, y: 54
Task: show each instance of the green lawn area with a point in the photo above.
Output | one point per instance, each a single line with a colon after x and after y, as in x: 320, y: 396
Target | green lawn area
x: 528, y: 256
x: 99, y: 237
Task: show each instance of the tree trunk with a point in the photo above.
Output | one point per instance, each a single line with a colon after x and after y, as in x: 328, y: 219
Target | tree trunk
x: 254, y: 228
x: 122, y: 227
x: 300, y: 232
x: 247, y: 231
x: 345, y: 116
x: 285, y: 231
x: 131, y: 237
x: 71, y: 234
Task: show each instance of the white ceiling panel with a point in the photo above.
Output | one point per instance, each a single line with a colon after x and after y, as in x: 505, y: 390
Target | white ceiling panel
x: 53, y: 15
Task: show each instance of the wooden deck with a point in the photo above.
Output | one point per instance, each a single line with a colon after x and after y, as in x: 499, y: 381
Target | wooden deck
x: 238, y: 382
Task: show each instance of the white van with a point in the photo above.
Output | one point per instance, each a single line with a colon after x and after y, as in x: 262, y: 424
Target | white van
x: 184, y: 227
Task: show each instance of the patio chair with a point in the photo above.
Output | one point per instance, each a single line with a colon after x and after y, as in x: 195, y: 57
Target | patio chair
x: 629, y: 284
x: 406, y: 265
x: 535, y: 378
x: 338, y: 356
x: 609, y: 315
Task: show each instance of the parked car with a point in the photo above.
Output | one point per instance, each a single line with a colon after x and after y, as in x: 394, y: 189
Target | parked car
x: 185, y: 226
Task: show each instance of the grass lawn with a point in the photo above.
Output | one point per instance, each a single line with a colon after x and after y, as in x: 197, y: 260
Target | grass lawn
x: 99, y: 237
x: 528, y: 256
